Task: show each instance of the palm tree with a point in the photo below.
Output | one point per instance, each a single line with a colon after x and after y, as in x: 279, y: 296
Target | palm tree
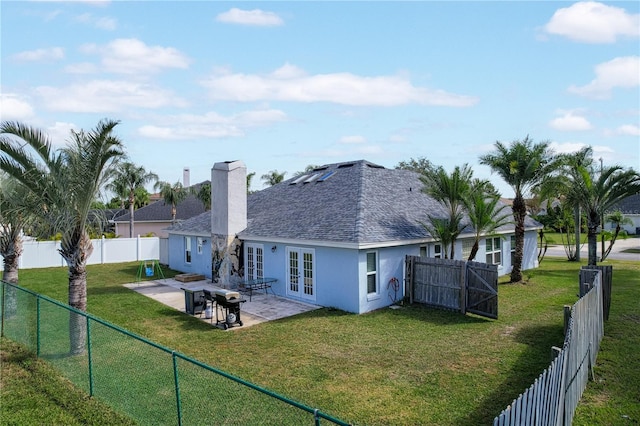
x: 126, y: 180
x: 249, y: 179
x: 65, y: 183
x: 596, y: 192
x: 273, y: 177
x: 172, y: 195
x: 486, y: 213
x: 203, y: 193
x: 617, y: 219
x: 451, y: 191
x: 13, y: 219
x: 443, y: 230
x: 523, y: 165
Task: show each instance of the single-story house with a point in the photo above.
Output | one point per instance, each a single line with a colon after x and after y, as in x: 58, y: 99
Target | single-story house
x: 155, y: 217
x: 334, y: 237
x: 630, y: 208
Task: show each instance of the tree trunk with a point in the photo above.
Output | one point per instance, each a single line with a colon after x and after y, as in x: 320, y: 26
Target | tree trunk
x: 11, y: 255
x: 78, y: 300
x: 592, y: 237
x: 474, y: 250
x: 76, y: 254
x: 132, y: 200
x: 611, y: 243
x: 577, y: 229
x: 519, y: 214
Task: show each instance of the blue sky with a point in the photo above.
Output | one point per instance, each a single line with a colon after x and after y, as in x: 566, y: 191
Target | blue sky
x: 282, y: 85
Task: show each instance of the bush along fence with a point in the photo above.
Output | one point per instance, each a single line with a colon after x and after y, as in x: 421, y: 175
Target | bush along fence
x: 147, y: 382
x: 552, y: 399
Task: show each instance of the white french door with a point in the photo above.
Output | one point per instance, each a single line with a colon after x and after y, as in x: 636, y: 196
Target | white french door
x: 301, y: 280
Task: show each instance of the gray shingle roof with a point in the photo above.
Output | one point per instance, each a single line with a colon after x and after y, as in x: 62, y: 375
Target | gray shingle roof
x: 159, y: 211
x: 630, y: 205
x: 360, y: 203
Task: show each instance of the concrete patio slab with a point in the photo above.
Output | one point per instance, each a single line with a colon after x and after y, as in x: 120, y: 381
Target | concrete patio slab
x: 262, y: 307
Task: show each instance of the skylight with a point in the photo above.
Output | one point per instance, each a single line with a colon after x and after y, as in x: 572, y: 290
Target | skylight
x: 300, y: 179
x: 312, y: 178
x: 326, y: 176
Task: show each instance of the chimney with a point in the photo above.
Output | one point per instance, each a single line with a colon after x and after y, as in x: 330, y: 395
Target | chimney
x: 228, y: 218
x: 185, y: 177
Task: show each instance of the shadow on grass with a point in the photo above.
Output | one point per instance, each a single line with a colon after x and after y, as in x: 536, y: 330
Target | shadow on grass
x: 527, y: 368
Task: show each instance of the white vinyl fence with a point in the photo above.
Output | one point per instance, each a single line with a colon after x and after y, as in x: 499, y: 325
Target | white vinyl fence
x: 44, y: 254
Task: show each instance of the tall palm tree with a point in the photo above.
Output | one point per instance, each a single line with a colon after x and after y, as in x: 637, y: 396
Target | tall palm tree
x: 451, y: 191
x: 522, y: 165
x: 172, y: 195
x: 65, y: 182
x: 273, y: 177
x: 486, y: 213
x: 126, y: 180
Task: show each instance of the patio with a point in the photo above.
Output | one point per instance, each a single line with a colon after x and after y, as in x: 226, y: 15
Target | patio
x: 262, y: 307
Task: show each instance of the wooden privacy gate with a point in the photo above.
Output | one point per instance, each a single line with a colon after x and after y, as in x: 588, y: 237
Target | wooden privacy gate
x: 453, y: 284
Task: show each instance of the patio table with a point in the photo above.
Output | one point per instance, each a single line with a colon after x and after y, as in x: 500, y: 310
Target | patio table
x: 256, y: 284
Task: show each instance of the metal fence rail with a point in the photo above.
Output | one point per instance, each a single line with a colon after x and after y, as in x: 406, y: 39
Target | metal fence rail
x: 147, y: 382
x: 554, y: 396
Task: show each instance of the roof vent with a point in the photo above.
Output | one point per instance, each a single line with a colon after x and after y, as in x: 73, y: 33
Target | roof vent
x: 342, y: 166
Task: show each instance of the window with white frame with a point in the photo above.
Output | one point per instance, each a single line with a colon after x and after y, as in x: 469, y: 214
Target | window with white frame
x: 493, y: 251
x: 437, y: 251
x: 187, y: 249
x: 372, y: 272
x: 423, y: 251
x: 254, y: 261
x: 199, y: 244
x: 467, y: 245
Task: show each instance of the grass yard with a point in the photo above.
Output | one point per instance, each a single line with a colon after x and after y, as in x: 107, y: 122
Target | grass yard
x: 408, y: 366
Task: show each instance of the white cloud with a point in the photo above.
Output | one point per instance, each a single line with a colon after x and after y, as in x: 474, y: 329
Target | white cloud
x: 593, y: 22
x: 570, y: 122
x: 354, y: 139
x: 599, y: 151
x: 106, y: 96
x: 132, y: 56
x: 60, y: 132
x: 255, y: 17
x: 622, y: 72
x: 12, y: 107
x: 103, y: 23
x: 81, y: 68
x: 291, y: 84
x: 210, y: 125
x: 45, y: 54
x: 628, y: 130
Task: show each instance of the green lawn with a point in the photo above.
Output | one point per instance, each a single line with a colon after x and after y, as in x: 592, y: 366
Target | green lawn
x: 408, y: 366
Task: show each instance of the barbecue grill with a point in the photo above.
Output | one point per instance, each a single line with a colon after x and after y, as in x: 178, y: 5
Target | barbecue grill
x: 228, y: 302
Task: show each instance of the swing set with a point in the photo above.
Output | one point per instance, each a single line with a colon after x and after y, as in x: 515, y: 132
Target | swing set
x: 150, y: 268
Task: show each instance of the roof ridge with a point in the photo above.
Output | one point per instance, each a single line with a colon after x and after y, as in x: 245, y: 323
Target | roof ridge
x: 360, y: 221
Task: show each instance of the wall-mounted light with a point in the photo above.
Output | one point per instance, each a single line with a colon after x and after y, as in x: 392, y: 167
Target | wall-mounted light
x: 273, y: 249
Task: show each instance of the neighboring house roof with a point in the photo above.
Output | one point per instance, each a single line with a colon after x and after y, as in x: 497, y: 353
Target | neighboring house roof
x: 158, y: 211
x: 630, y: 205
x: 355, y: 202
